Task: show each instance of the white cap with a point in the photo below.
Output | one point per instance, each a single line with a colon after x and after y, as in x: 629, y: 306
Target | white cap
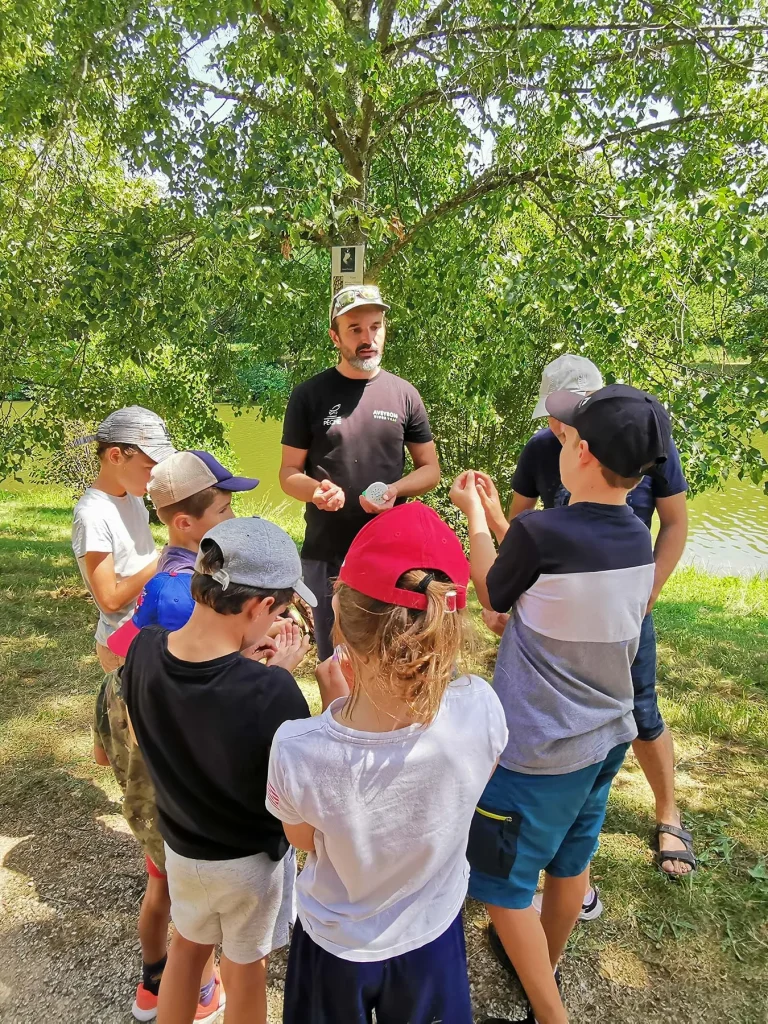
x: 567, y: 373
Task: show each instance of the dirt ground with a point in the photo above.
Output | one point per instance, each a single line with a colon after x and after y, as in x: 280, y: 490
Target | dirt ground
x: 70, y: 888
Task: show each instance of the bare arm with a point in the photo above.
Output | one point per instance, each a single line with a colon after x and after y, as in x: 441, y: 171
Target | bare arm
x: 425, y: 473
x: 482, y: 553
x: 670, y: 542
x: 520, y: 503
x: 301, y: 837
x: 295, y: 482
x: 110, y: 593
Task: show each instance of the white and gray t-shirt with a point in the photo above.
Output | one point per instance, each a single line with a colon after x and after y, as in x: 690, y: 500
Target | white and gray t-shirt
x: 118, y: 526
x: 577, y: 580
x: 391, y: 812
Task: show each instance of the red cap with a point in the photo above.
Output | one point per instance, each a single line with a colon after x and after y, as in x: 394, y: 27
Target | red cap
x: 410, y: 536
x: 119, y: 641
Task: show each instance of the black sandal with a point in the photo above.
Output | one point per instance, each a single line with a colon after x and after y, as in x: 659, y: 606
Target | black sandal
x: 685, y: 856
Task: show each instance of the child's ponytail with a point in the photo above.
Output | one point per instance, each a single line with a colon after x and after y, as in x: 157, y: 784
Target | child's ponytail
x: 404, y: 652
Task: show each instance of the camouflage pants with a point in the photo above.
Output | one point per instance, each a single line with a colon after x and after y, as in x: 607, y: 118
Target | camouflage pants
x: 110, y: 728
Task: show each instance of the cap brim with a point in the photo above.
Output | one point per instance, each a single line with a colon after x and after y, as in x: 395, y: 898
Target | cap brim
x: 237, y: 483
x: 305, y: 593
x: 157, y: 452
x: 562, y: 405
x: 540, y: 410
x: 122, y: 638
x: 358, y: 305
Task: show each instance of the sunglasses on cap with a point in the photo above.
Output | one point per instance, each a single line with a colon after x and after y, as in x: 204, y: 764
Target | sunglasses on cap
x: 356, y: 295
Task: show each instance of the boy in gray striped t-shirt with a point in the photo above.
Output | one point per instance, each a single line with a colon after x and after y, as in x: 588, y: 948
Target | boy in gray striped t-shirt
x: 576, y: 580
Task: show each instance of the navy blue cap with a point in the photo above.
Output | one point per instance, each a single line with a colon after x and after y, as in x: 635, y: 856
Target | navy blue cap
x: 627, y: 430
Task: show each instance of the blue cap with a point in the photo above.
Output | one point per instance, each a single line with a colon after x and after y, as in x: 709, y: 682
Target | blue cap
x: 165, y: 601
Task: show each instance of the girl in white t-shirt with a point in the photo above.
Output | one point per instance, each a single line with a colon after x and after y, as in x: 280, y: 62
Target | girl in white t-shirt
x: 380, y: 789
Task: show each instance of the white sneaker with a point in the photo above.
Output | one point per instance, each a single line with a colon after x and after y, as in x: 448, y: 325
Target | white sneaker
x: 591, y: 908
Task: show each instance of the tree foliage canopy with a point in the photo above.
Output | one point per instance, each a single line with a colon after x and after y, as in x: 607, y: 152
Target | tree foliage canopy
x: 528, y: 179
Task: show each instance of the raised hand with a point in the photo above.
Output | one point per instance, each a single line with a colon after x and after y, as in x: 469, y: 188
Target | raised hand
x: 464, y: 493
x: 328, y: 497
x: 331, y: 676
x: 491, y: 502
x: 291, y: 647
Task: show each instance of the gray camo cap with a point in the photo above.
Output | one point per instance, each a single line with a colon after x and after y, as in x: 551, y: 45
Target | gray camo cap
x: 136, y: 426
x: 256, y: 553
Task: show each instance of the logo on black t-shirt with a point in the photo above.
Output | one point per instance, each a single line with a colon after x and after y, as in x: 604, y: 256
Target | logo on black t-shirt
x: 333, y: 416
x: 385, y: 414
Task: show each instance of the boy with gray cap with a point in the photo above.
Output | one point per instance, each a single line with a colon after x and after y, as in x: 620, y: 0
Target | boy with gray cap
x: 111, y: 538
x: 204, y: 717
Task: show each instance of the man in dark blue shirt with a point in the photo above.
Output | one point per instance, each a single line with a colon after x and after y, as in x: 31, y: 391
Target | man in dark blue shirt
x: 537, y: 476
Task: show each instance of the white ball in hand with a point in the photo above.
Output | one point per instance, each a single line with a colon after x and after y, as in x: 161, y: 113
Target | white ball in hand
x: 375, y: 493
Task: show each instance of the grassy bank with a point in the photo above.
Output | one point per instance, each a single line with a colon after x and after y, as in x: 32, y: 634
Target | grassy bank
x: 71, y: 877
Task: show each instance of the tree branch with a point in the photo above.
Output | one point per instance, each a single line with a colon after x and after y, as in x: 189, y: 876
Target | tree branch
x: 403, y: 46
x: 248, y: 99
x: 386, y: 17
x: 495, y: 179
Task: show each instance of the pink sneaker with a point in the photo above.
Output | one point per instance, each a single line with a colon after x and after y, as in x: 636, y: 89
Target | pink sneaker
x: 144, y: 1005
x: 208, y: 1014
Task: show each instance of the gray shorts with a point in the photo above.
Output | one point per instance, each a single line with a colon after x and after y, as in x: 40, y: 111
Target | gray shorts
x: 245, y: 904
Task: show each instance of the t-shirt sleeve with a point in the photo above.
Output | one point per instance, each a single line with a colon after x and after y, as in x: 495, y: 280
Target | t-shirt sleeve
x: 287, y: 704
x: 524, y: 477
x: 496, y: 730
x: 417, y: 428
x: 297, y: 428
x: 516, y: 568
x: 90, y: 532
x: 668, y: 478
x: 279, y: 799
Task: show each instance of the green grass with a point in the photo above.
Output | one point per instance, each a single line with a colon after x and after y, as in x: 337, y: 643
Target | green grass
x: 700, y: 948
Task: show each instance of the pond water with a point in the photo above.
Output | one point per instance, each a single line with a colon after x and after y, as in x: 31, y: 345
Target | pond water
x: 728, y: 528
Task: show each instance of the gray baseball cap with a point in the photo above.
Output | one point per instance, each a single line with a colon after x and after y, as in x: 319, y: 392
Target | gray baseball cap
x: 136, y: 426
x: 256, y: 553
x: 354, y: 296
x: 567, y: 373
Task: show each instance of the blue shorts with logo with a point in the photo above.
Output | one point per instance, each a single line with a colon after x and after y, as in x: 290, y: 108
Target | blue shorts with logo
x: 650, y: 724
x: 525, y: 824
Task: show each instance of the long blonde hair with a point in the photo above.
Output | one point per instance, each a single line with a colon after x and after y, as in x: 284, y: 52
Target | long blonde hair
x: 400, y: 652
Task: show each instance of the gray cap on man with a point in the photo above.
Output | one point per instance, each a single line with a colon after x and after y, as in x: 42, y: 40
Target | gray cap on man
x: 256, y: 553
x: 567, y: 373
x: 136, y: 426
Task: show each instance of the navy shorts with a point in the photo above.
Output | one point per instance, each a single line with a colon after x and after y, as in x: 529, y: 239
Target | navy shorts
x: 525, y: 824
x: 429, y: 985
x: 650, y: 724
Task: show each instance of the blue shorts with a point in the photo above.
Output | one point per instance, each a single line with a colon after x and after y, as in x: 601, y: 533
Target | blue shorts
x: 429, y: 985
x: 650, y: 724
x: 535, y: 823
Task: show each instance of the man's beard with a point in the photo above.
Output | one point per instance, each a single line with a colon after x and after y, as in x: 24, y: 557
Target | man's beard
x: 370, y: 363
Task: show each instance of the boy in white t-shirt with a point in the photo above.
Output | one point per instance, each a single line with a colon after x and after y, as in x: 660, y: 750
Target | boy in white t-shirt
x: 380, y: 789
x: 110, y: 531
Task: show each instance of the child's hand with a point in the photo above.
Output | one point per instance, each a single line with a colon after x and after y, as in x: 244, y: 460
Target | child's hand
x: 465, y: 495
x: 332, y: 678
x: 491, y: 502
x: 292, y: 645
x: 495, y: 621
x: 261, y: 650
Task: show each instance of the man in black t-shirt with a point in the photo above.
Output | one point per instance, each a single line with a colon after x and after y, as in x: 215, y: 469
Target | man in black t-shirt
x: 344, y: 429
